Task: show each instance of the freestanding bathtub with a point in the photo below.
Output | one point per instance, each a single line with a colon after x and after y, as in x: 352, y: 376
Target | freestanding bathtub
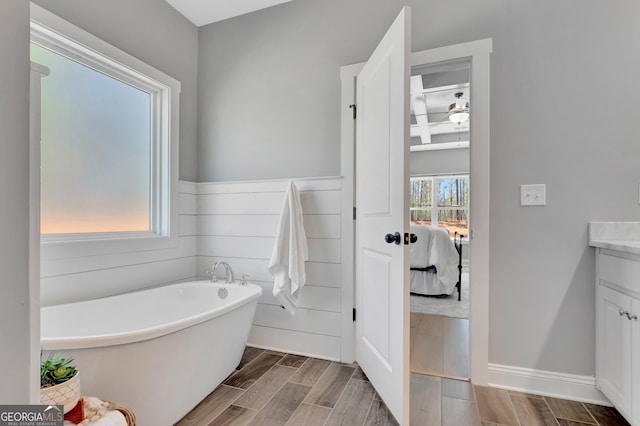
x: 159, y: 351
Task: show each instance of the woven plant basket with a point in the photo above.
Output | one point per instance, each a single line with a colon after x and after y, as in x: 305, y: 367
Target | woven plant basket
x: 66, y: 393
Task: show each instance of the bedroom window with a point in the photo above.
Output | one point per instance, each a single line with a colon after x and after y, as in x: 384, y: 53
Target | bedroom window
x: 108, y: 146
x: 441, y: 201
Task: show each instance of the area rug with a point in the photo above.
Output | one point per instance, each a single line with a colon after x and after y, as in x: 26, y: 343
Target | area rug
x: 447, y: 306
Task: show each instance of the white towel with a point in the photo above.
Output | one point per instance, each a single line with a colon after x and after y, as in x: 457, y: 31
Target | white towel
x: 289, y: 252
x: 97, y: 413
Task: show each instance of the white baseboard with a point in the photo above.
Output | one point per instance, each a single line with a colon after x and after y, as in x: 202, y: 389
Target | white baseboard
x: 546, y: 383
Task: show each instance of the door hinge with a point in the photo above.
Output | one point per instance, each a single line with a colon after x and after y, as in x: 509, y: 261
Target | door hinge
x: 354, y: 213
x: 354, y: 314
x: 354, y: 107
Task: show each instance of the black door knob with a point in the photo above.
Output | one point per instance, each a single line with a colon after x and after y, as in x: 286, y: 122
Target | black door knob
x: 413, y: 238
x: 393, y: 238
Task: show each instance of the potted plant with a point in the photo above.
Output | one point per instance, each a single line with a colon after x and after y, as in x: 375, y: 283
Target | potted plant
x: 59, y: 382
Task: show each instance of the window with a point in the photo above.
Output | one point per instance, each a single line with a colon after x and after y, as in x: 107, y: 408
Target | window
x: 441, y: 201
x: 95, y: 150
x: 109, y: 139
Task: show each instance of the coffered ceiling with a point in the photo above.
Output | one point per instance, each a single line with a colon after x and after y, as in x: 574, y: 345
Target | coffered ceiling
x: 432, y: 92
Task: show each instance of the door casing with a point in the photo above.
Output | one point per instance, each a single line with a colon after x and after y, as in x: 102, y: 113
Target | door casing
x: 478, y: 54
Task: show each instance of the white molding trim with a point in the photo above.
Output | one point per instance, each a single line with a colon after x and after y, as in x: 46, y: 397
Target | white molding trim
x: 37, y: 73
x: 320, y: 183
x: 439, y: 146
x: 547, y: 383
x: 347, y: 168
x: 90, y: 44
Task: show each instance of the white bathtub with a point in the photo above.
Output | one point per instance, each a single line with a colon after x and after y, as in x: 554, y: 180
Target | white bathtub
x: 159, y: 351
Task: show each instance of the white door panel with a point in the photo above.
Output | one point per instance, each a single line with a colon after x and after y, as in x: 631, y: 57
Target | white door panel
x: 375, y: 328
x: 382, y: 176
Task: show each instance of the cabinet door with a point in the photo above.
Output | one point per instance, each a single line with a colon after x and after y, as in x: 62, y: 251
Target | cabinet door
x: 635, y: 359
x: 614, y: 351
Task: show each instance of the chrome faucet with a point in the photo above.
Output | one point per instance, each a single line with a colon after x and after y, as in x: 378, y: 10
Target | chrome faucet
x: 228, y: 272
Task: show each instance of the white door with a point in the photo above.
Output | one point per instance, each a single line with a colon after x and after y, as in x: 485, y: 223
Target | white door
x: 382, y: 167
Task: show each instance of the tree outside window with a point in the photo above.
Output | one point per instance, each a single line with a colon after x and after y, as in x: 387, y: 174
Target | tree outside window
x: 441, y: 201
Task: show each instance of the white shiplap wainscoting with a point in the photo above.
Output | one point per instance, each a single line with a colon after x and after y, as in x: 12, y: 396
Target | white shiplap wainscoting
x: 237, y: 222
x: 69, y: 279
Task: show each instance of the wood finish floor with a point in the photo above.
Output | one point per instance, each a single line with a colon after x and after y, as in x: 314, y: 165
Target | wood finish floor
x: 272, y: 388
x: 439, y: 346
x: 500, y: 407
x: 442, y: 401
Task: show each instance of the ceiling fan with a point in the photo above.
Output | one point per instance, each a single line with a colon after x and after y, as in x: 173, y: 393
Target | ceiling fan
x: 459, y: 110
x: 456, y: 114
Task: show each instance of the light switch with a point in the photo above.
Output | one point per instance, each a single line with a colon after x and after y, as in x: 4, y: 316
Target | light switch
x: 533, y: 195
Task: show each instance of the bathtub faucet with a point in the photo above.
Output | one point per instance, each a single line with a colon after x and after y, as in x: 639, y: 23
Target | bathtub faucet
x: 228, y: 272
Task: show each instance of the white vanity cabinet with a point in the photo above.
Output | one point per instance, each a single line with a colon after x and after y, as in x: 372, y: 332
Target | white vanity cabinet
x: 618, y: 330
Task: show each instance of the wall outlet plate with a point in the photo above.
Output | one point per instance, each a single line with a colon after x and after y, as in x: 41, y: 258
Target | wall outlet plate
x: 533, y: 195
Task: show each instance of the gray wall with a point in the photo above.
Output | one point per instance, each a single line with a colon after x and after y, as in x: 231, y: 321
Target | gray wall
x: 561, y: 73
x: 14, y: 207
x: 268, y: 107
x: 154, y: 32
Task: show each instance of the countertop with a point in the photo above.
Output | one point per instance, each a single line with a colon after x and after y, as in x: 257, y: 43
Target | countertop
x: 620, y: 236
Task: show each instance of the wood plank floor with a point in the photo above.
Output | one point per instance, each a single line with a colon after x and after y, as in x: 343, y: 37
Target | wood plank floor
x: 271, y: 388
x: 439, y: 346
x: 501, y: 407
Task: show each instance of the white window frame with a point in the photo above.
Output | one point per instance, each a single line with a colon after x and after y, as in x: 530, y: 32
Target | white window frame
x: 66, y: 39
x: 434, y: 207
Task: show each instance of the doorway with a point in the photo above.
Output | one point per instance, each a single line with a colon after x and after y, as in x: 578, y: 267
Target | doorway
x: 477, y: 53
x: 440, y: 117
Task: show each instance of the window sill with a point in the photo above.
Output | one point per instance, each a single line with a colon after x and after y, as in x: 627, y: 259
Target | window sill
x: 71, y: 248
